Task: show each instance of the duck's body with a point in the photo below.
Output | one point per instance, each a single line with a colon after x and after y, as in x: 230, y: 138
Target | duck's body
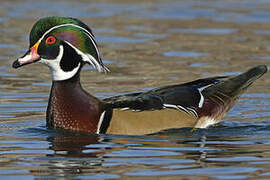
x: 196, y: 104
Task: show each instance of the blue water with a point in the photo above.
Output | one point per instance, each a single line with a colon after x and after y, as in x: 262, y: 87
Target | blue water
x: 145, y: 45
x: 205, y: 31
x: 184, y: 54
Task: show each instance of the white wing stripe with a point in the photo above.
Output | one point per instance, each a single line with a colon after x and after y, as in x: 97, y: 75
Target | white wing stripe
x: 190, y: 111
x: 200, y: 92
x: 193, y: 112
x: 124, y: 109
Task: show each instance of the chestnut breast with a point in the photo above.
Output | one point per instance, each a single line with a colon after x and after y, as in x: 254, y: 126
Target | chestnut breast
x: 72, y: 108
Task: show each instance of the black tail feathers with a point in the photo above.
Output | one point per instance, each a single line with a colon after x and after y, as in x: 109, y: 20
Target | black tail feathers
x: 233, y: 87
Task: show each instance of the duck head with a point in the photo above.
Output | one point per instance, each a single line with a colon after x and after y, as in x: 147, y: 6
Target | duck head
x: 64, y: 45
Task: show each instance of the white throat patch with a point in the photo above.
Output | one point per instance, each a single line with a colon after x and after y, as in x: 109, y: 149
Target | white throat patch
x: 54, y: 64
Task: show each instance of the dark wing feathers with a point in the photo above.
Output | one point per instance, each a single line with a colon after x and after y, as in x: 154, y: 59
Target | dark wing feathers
x: 136, y: 101
x: 204, y: 97
x: 185, y: 95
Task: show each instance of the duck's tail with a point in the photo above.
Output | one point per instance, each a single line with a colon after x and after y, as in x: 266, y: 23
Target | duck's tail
x: 220, y: 97
x: 235, y: 86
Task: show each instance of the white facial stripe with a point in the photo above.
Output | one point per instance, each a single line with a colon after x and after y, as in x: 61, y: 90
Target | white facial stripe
x: 62, y: 25
x: 74, y: 25
x: 88, y: 58
x: 54, y: 64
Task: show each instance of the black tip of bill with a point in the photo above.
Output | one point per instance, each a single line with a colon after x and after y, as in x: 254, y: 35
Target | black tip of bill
x: 16, y: 64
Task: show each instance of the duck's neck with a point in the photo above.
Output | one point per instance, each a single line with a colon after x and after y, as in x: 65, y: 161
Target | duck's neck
x: 72, y: 108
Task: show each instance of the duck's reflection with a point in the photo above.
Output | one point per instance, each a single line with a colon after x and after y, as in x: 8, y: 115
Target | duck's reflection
x: 86, y: 155
x: 74, y: 155
x: 75, y: 146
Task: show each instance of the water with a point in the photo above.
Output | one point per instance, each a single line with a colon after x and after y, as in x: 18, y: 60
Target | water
x: 184, y: 54
x: 145, y: 44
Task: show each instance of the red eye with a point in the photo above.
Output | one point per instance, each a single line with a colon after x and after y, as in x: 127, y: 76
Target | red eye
x: 50, y: 40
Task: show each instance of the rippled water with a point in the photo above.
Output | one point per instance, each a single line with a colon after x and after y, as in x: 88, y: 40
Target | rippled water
x: 145, y: 44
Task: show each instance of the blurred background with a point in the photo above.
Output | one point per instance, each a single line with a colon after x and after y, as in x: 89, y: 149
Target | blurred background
x: 145, y: 44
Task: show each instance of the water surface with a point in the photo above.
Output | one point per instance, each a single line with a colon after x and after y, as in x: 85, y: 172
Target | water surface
x: 145, y: 44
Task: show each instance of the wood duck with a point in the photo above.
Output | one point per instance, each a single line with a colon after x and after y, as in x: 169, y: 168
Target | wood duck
x: 66, y: 44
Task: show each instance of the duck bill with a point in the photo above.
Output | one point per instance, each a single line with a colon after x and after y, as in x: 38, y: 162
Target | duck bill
x: 29, y: 57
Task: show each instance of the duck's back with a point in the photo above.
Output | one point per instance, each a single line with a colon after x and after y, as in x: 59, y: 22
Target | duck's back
x: 198, y: 104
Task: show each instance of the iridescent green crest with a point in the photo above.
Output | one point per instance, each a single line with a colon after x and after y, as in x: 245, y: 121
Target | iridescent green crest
x: 69, y: 31
x: 44, y: 24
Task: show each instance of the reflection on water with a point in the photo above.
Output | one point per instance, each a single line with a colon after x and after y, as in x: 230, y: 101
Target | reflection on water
x: 184, y: 54
x: 209, y: 153
x: 264, y: 58
x: 112, y: 39
x: 205, y: 31
x: 145, y: 44
x: 263, y: 32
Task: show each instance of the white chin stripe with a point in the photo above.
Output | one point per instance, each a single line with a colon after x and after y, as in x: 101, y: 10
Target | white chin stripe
x: 54, y: 64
